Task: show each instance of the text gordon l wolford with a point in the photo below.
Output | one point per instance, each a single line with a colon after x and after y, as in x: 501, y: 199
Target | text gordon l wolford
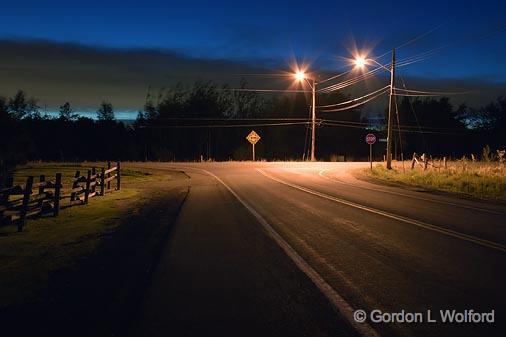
x: 438, y: 316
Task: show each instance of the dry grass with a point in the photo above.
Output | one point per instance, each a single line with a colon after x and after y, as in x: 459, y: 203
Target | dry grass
x: 484, y: 180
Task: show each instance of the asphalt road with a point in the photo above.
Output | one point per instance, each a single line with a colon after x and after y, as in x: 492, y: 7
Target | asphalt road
x: 293, y: 249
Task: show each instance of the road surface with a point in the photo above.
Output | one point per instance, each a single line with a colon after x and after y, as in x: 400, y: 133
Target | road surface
x: 294, y: 249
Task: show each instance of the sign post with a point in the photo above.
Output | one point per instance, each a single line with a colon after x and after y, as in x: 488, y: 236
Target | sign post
x: 253, y: 138
x: 370, y: 139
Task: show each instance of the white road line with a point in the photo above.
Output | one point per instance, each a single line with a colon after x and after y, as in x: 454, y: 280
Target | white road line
x: 449, y: 232
x: 335, y: 299
x: 321, y: 174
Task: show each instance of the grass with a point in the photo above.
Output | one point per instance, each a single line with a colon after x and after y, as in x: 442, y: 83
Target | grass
x: 477, y: 179
x: 49, y: 244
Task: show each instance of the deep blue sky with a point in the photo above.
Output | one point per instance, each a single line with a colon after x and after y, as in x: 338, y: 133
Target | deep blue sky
x: 277, y: 30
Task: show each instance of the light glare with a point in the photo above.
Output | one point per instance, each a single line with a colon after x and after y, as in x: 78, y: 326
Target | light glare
x: 360, y: 61
x: 300, y: 75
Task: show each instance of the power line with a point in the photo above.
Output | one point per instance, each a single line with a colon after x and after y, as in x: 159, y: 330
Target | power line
x: 222, y: 125
x: 266, y: 90
x: 334, y: 77
x: 416, y: 38
x: 421, y: 36
x: 351, y: 81
x: 355, y: 99
x: 409, y: 92
x: 357, y: 104
x: 228, y: 119
x: 414, y: 114
x: 403, y: 130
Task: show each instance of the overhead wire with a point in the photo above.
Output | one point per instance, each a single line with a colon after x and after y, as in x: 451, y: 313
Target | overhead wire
x: 403, y: 130
x: 416, y: 38
x: 410, y: 92
x: 228, y: 119
x: 399, y: 129
x: 266, y: 90
x: 324, y: 120
x: 353, y: 100
x: 305, y: 154
x: 357, y: 104
x: 334, y: 77
x: 414, y: 114
x: 351, y: 81
x: 223, y: 125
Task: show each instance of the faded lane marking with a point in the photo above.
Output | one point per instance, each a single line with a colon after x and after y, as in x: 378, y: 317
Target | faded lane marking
x: 321, y: 174
x: 448, y: 232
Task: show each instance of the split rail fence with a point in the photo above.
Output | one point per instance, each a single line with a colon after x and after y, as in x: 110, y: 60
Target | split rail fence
x: 20, y: 202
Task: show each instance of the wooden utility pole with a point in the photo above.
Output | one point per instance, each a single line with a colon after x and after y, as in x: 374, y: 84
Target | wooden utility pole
x: 313, y: 122
x: 390, y: 114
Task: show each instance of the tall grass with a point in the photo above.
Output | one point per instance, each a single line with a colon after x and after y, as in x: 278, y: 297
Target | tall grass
x: 486, y: 180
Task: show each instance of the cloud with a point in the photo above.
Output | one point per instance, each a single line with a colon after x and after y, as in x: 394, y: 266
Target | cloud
x: 86, y: 75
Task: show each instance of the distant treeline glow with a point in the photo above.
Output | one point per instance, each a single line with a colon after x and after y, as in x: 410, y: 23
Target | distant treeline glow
x: 207, y: 122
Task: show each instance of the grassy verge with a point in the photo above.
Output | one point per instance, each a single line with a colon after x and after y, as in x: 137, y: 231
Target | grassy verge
x: 480, y: 180
x: 49, y: 244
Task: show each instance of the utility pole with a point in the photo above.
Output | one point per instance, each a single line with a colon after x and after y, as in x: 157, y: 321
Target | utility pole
x: 313, y: 122
x: 390, y: 114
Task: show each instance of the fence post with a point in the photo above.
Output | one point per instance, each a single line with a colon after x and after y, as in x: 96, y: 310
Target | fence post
x: 87, y: 190
x: 109, y: 175
x: 57, y: 193
x: 444, y: 162
x: 74, y: 185
x: 413, y: 161
x: 102, y: 182
x: 42, y: 179
x: 94, y: 173
x: 118, y: 176
x: 24, y: 206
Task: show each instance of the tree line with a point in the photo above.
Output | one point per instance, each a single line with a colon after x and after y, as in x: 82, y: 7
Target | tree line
x: 210, y: 122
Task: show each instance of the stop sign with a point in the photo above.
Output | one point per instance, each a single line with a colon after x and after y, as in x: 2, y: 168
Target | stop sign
x: 370, y: 139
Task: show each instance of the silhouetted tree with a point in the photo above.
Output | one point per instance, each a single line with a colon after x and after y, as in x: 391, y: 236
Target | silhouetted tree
x: 105, y: 112
x: 18, y: 106
x: 181, y: 125
x: 67, y: 113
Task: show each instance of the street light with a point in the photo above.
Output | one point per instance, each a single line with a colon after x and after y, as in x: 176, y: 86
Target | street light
x: 361, y: 62
x: 301, y: 76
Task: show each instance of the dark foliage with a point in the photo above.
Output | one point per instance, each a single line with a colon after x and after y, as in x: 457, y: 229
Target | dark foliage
x: 187, y: 124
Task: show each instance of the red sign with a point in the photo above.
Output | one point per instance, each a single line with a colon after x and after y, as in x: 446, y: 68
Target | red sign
x: 370, y: 139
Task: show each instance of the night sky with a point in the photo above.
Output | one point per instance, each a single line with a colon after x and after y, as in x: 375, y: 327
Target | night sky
x: 269, y: 34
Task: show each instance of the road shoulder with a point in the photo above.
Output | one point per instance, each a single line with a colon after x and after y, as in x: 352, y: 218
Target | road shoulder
x: 220, y: 274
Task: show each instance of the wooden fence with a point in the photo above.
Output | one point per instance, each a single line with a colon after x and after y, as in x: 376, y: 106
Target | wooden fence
x: 17, y: 203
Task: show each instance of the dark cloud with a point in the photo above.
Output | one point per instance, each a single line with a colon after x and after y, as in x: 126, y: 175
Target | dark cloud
x: 85, y: 75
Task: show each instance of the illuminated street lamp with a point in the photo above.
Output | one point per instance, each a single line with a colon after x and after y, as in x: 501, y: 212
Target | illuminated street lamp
x: 301, y: 76
x: 361, y: 62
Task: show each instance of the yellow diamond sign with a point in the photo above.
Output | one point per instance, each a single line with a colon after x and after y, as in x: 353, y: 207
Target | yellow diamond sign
x: 253, y: 137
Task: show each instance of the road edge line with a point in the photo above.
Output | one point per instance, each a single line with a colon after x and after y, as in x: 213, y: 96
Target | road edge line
x: 339, y: 303
x: 445, y: 231
x: 485, y: 210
